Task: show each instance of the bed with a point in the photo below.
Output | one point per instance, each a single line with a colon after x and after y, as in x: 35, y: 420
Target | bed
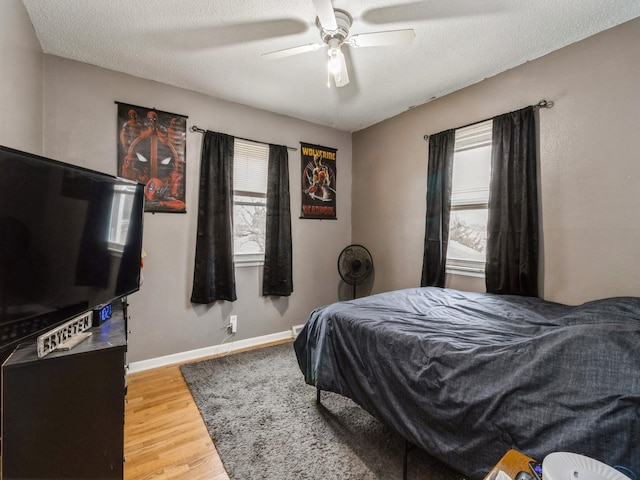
x: 467, y: 376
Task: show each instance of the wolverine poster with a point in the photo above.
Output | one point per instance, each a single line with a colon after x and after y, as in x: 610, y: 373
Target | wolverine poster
x: 152, y: 151
x: 318, y: 182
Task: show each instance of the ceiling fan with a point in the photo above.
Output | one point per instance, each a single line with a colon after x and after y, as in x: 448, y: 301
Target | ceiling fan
x: 334, y: 25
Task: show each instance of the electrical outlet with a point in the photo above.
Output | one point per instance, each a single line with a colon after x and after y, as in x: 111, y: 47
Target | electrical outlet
x: 233, y: 323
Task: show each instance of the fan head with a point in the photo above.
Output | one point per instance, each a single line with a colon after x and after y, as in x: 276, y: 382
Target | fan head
x: 355, y: 264
x: 343, y: 21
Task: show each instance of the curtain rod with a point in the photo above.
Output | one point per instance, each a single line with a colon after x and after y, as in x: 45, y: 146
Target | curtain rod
x: 199, y: 130
x: 540, y: 104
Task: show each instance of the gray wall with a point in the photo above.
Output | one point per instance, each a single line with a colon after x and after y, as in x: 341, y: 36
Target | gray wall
x: 21, y: 77
x: 76, y: 102
x: 589, y: 169
x: 80, y: 127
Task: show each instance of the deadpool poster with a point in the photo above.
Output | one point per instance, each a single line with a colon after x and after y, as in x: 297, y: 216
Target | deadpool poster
x: 152, y: 150
x: 318, y: 182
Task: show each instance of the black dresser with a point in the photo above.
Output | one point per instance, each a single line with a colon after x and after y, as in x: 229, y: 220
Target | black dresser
x: 63, y: 415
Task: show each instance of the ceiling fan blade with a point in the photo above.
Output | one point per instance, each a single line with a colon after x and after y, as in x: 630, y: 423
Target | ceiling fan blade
x: 210, y: 36
x: 326, y: 15
x: 287, y: 52
x: 380, y: 39
x: 420, y: 10
x: 342, y: 77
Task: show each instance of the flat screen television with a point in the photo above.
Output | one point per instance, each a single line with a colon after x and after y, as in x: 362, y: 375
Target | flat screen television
x: 70, y: 240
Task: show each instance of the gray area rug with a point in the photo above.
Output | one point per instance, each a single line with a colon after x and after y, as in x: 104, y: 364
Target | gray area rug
x: 265, y: 424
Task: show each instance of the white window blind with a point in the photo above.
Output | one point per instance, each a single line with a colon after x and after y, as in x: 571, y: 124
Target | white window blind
x: 250, y: 163
x: 472, y: 165
x: 473, y: 136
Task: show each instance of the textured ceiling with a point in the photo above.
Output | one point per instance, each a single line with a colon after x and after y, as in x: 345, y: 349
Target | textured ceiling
x: 215, y: 46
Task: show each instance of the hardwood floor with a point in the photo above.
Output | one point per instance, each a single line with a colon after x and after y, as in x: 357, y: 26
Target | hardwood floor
x: 164, y: 435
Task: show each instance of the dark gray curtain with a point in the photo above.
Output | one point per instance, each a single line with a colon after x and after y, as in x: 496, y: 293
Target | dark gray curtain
x: 512, y: 227
x: 439, y: 177
x: 278, y: 276
x: 214, y: 274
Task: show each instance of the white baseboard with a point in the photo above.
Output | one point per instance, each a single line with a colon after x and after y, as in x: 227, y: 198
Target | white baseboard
x: 207, y: 351
x: 295, y: 330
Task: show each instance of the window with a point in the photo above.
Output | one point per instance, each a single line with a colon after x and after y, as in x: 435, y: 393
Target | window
x: 120, y: 213
x: 470, y: 199
x: 250, y: 163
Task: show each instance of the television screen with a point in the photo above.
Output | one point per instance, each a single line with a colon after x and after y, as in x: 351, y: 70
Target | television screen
x: 70, y: 240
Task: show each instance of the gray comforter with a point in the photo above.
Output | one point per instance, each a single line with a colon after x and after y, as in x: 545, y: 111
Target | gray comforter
x: 467, y: 376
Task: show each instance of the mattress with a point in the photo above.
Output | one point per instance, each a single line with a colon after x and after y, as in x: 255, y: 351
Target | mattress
x: 467, y: 376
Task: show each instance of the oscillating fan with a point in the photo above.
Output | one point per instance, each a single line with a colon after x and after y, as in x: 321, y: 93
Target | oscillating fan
x: 355, y: 265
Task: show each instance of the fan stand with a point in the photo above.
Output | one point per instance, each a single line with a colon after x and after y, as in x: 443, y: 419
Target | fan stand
x: 356, y: 265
